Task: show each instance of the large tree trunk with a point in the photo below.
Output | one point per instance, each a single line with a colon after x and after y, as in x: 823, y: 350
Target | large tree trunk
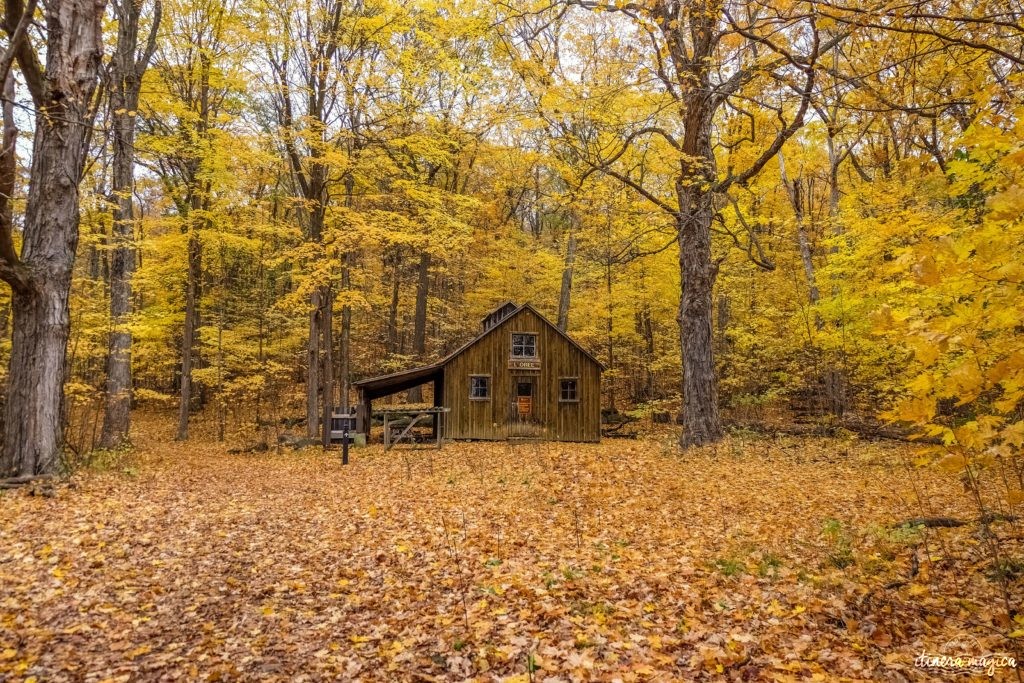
x: 419, y: 332
x: 195, y: 255
x: 41, y: 281
x: 8, y: 176
x: 697, y: 272
x: 701, y: 424
x: 565, y: 295
x: 33, y: 412
x: 126, y: 81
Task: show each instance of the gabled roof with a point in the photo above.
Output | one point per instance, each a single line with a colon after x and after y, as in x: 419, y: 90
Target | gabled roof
x: 407, y: 379
x: 500, y: 307
x: 520, y: 309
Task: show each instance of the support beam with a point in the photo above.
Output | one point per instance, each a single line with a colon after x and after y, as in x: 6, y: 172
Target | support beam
x: 363, y: 414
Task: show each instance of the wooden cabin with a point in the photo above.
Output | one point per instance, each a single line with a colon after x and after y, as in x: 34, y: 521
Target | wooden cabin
x: 520, y: 378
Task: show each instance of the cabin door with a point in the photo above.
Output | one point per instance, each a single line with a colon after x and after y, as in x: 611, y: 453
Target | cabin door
x: 524, y: 412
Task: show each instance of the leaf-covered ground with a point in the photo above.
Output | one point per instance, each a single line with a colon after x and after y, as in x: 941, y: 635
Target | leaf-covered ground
x: 756, y: 560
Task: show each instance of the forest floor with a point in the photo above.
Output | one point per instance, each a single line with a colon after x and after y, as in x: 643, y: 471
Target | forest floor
x: 759, y: 559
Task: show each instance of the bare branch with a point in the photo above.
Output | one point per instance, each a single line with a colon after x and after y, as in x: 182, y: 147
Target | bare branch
x: 16, y: 39
x: 15, y: 16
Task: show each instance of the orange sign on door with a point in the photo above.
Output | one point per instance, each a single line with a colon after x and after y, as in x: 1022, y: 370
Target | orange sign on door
x: 524, y: 403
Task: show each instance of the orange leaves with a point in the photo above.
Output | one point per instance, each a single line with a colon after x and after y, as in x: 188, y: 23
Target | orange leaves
x: 963, y: 322
x: 916, y: 411
x: 482, y: 561
x: 952, y: 462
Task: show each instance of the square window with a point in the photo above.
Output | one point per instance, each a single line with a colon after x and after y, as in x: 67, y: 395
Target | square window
x: 479, y: 387
x: 524, y: 345
x: 568, y: 390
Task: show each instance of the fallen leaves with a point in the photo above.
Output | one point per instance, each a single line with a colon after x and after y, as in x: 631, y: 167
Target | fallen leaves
x: 481, y: 561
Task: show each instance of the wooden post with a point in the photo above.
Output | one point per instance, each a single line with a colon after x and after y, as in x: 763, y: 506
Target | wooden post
x: 387, y: 436
x: 363, y: 414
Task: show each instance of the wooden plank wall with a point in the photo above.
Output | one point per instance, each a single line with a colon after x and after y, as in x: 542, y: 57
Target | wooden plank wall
x: 476, y: 419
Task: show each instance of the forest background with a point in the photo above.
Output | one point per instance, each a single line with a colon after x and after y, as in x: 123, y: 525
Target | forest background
x: 778, y: 209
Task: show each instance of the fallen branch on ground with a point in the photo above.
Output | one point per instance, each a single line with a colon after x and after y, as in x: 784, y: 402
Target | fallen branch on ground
x: 933, y: 522
x: 15, y: 482
x: 950, y: 522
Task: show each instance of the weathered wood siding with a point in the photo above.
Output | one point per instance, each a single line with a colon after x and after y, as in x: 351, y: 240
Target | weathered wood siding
x: 489, y: 419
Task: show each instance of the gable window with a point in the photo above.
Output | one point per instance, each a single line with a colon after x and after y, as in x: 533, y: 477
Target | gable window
x: 568, y: 390
x: 524, y: 345
x: 479, y: 387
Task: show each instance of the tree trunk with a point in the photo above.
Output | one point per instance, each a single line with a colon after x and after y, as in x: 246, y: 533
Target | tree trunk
x: 835, y: 377
x: 833, y: 179
x: 701, y: 423
x: 723, y: 321
x: 41, y: 281
x: 396, y: 281
x: 126, y: 81
x: 327, y: 335
x: 565, y: 294
x: 195, y: 255
x: 8, y: 176
x: 797, y: 201
x: 647, y: 333
x: 346, y: 334
x: 697, y: 272
x: 419, y: 333
x: 610, y: 329
x: 313, y: 366
x: 117, y: 402
x: 808, y: 260
x: 34, y: 408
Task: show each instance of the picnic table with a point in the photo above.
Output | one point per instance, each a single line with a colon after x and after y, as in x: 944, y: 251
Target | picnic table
x: 409, y: 417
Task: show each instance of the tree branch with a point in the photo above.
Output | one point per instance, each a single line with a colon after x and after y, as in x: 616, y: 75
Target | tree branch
x: 147, y: 54
x: 14, y: 16
x: 15, y: 40
x: 786, y: 132
x: 761, y: 260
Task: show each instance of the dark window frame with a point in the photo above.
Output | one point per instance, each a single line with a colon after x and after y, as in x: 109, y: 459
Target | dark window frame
x: 512, y: 346
x: 575, y: 390
x: 486, y: 385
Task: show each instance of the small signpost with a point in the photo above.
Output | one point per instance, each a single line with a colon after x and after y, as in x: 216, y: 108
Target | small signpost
x: 342, y: 425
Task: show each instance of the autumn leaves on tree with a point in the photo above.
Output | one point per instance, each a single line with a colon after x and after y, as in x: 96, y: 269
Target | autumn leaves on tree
x: 722, y: 200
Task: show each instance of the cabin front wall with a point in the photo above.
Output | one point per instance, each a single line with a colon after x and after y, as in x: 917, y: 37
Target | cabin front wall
x: 491, y: 419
